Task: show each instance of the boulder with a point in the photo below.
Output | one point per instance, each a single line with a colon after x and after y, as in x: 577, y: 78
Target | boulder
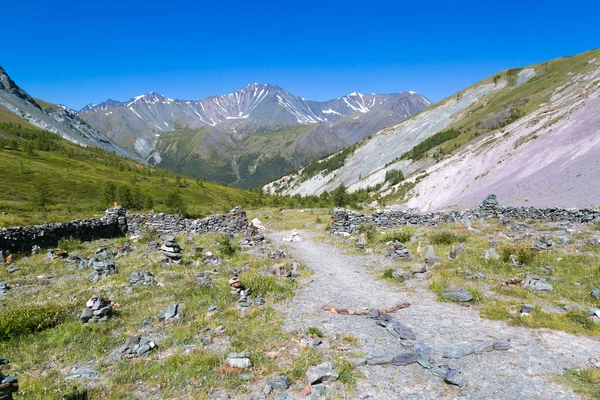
x: 457, y: 293
x: 321, y: 373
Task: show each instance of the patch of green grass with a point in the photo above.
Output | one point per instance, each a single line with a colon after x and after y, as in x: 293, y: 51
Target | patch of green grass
x: 313, y: 330
x: 402, y: 235
x: 305, y: 359
x: 445, y: 237
x: 348, y: 374
x: 21, y: 320
x: 267, y: 285
x: 350, y: 339
x: 524, y: 254
x: 585, y: 382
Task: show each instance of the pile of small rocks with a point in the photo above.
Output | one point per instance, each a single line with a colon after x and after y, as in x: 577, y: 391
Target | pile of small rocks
x: 137, y: 346
x: 544, y: 242
x: 56, y: 254
x: 171, y: 250
x: 97, y: 309
x: 144, y: 278
x: 8, y: 384
x: 277, y: 254
x: 397, y: 250
x: 536, y: 283
x: 102, y: 269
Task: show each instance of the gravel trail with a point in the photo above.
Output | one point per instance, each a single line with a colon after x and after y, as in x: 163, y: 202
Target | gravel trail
x: 526, y: 371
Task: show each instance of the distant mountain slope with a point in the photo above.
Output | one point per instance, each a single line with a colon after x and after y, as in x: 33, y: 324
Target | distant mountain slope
x: 528, y: 134
x: 72, y: 180
x: 234, y: 119
x: 56, y: 119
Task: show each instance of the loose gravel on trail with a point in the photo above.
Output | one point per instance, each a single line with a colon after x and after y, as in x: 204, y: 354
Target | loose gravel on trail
x: 526, y: 371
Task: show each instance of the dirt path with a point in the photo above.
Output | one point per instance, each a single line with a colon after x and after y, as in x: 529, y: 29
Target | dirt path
x: 347, y: 281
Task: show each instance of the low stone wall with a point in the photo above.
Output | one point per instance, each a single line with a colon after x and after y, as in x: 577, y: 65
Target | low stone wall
x: 343, y: 220
x: 117, y: 222
x: 23, y: 238
x: 165, y: 224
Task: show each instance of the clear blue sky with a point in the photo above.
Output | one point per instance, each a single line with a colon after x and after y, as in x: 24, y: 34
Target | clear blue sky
x: 81, y: 52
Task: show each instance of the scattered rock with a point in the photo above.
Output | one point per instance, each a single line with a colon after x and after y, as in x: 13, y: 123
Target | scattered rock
x: 321, y: 373
x: 144, y: 278
x: 430, y: 257
x: 491, y: 254
x: 544, y: 242
x: 457, y: 293
x: 453, y: 253
x: 170, y: 313
x: 401, y: 331
x: 280, y: 383
x: 238, y: 360
x: 526, y: 309
x: 399, y: 273
x: 137, y: 346
x: 536, y: 283
x: 379, y: 360
x: 454, y: 377
x: 501, y: 346
x: 596, y: 293
x: 456, y: 352
x: 293, y: 237
x: 404, y: 358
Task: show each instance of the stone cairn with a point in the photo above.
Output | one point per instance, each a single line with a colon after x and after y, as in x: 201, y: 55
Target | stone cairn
x: 238, y: 289
x: 8, y: 384
x: 172, y: 251
x: 397, y: 250
x: 97, y: 309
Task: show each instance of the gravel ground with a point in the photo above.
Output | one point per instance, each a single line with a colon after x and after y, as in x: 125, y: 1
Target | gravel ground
x: 347, y: 281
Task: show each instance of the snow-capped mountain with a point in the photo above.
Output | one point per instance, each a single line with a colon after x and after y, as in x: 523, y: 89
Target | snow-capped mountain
x: 57, y: 119
x: 255, y: 107
x: 193, y: 136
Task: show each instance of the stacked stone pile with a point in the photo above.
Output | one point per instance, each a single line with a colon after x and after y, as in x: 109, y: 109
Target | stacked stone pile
x: 102, y: 269
x: 343, y: 220
x: 397, y: 250
x: 97, y: 309
x: 172, y: 251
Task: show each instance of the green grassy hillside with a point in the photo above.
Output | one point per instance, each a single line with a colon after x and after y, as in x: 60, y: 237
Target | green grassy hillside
x: 46, y: 178
x: 245, y: 162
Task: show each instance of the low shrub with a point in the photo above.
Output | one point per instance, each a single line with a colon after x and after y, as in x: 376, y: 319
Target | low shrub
x: 525, y: 255
x: 22, y: 320
x: 313, y: 330
x: 402, y: 236
x: 369, y: 229
x: 226, y: 246
x: 445, y: 237
x: 266, y: 285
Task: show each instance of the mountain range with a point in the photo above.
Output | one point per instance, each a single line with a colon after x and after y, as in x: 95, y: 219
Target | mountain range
x: 248, y: 137
x: 530, y: 135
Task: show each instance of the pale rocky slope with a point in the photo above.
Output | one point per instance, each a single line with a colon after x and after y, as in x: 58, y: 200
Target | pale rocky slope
x: 549, y: 156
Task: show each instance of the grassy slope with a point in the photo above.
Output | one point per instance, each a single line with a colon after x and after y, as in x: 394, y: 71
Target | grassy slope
x: 10, y: 118
x: 261, y: 157
x: 45, y: 104
x: 77, y: 176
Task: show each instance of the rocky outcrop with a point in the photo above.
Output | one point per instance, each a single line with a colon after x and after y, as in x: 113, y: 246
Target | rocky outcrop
x: 343, y: 220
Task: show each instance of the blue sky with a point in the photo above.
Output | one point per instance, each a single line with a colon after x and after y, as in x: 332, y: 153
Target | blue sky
x: 83, y: 52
